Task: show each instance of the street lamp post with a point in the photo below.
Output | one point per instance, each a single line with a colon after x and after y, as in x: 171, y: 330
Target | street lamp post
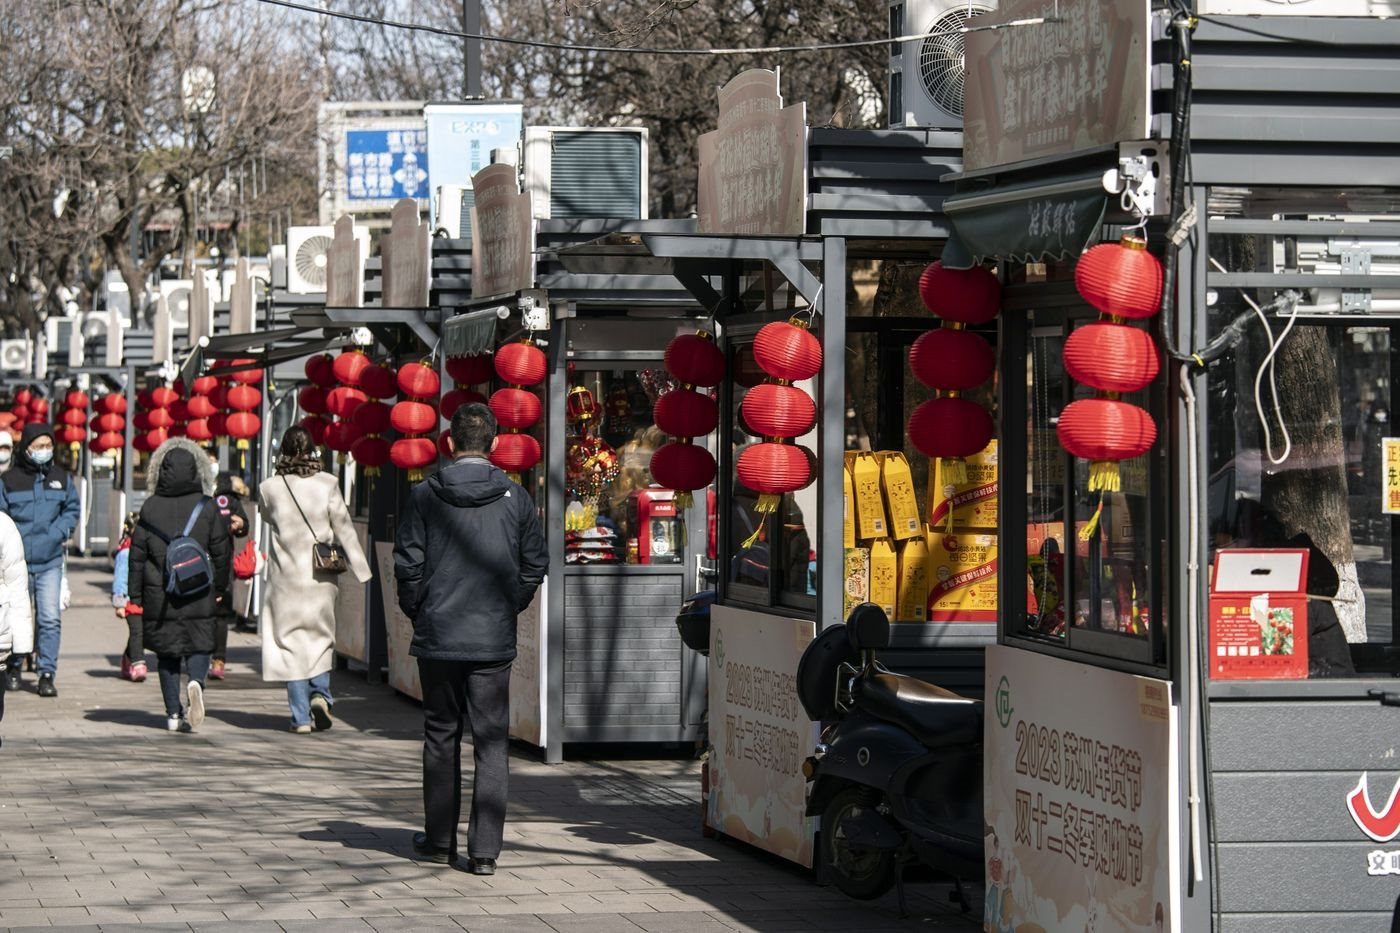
x: 471, y: 49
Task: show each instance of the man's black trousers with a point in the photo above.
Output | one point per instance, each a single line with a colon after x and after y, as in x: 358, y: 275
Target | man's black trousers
x: 456, y: 693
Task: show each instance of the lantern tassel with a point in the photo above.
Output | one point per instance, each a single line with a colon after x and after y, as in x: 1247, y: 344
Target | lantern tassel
x: 768, y: 503
x: 684, y: 499
x: 954, y: 470
x: 1092, y: 525
x: 415, y: 475
x: 1104, y: 476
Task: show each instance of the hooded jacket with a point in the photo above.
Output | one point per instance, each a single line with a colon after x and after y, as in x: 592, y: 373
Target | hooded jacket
x: 179, y: 478
x: 16, y: 615
x: 42, y: 501
x: 468, y: 558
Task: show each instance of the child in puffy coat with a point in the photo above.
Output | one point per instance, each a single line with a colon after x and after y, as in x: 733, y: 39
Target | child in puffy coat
x: 16, y: 615
x: 134, y: 655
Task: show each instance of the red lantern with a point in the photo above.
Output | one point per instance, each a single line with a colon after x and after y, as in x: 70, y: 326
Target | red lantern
x: 1122, y: 279
x: 683, y: 466
x: 515, y: 408
x: 370, y: 452
x: 198, y: 430
x: 24, y: 397
x: 75, y: 399
x: 968, y: 296
x: 772, y: 470
x: 108, y: 441
x: 1104, y: 431
x: 71, y: 434
x: 218, y: 423
x: 341, y: 436
x: 320, y: 369
x: 21, y: 412
x: 311, y: 399
x: 418, y: 380
x: 1111, y: 357
x: 317, y: 427
x: 372, y: 418
x: 159, y: 418
x: 154, y: 439
x: 950, y: 428
x: 163, y: 397
x: 776, y: 411
x: 74, y: 416
x: 244, y: 376
x: 470, y: 370
x: 39, y: 407
x: 343, y: 400
x: 243, y: 425
x: 521, y: 364
x: 244, y: 398
x: 451, y: 401
x: 201, y: 407
x: 444, y: 444
x: 695, y: 360
x: 378, y: 382
x: 350, y: 365
x: 180, y: 411
x: 685, y: 413
x: 412, y: 454
x: 205, y: 384
x: 109, y: 422
x: 219, y: 397
x: 788, y: 350
x: 515, y: 453
x: 413, y: 418
x: 953, y: 359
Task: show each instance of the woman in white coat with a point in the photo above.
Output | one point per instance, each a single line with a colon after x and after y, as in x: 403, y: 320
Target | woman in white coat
x: 302, y: 506
x: 16, y: 615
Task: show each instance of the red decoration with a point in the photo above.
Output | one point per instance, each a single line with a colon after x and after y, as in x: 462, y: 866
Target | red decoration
x: 24, y: 397
x: 378, y: 382
x: 370, y: 452
x: 515, y: 453
x: 75, y: 399
x: 580, y: 407
x: 109, y: 422
x: 521, y: 364
x: 451, y: 401
x: 968, y: 296
x: 951, y: 358
x: 343, y: 400
x: 444, y: 444
x: 685, y: 413
x: 71, y: 434
x: 681, y: 465
x: 413, y: 417
x: 950, y: 427
x: 163, y: 397
x: 311, y: 399
x: 244, y: 398
x: 205, y: 384
x: 1111, y: 357
x: 320, y: 369
x: 74, y: 416
x: 153, y: 439
x: 317, y: 427
x: 1122, y: 279
x: 470, y: 370
x: 341, y: 436
x: 418, y: 380
x: 112, y: 403
x: 243, y: 425
x: 772, y: 470
x: 39, y: 406
x: 695, y: 360
x: 412, y: 454
x: 1099, y: 429
x: 218, y: 423
x: 109, y: 440
x: 219, y: 397
x: 159, y: 418
x: 244, y: 376
x: 201, y: 407
x: 515, y: 408
x: 198, y: 430
x: 775, y: 410
x: 788, y: 350
x: 350, y: 365
x: 372, y: 417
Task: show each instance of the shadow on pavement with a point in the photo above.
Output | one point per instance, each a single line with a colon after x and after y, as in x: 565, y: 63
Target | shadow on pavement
x: 129, y: 717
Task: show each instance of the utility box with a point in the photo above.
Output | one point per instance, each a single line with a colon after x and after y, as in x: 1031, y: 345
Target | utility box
x: 1259, y: 614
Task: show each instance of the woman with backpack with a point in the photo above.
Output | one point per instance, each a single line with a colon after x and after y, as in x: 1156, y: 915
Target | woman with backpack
x: 303, y: 509
x: 179, y: 564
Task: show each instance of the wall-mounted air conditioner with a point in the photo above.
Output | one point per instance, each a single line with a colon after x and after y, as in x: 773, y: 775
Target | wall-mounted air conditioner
x: 306, y: 257
x: 277, y: 265
x: 926, y: 74
x: 586, y: 172
x: 64, y: 343
x: 177, y: 294
x: 454, y: 211
x: 15, y: 356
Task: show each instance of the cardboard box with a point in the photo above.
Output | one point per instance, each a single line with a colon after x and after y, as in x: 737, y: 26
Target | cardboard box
x: 884, y: 577
x: 962, y: 577
x: 898, y: 484
x: 973, y: 504
x: 848, y: 527
x: 856, y: 578
x: 1259, y: 614
x: 870, y: 504
x: 912, y: 604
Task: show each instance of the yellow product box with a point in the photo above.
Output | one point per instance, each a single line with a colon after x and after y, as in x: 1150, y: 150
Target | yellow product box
x: 962, y: 577
x: 870, y: 505
x: 973, y: 504
x: 898, y: 484
x: 848, y: 528
x: 884, y: 576
x: 912, y: 604
x: 856, y: 578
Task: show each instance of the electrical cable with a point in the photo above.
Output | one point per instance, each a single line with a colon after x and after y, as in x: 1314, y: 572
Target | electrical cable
x: 631, y: 50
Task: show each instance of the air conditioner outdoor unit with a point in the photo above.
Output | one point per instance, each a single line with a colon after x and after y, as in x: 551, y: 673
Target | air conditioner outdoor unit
x: 117, y: 296
x: 15, y: 356
x: 926, y: 74
x: 277, y: 265
x: 306, y: 257
x: 454, y: 211
x: 587, y: 172
x: 177, y: 294
x: 63, y: 341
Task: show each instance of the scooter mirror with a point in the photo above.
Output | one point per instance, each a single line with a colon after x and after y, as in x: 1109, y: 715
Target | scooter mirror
x: 868, y: 627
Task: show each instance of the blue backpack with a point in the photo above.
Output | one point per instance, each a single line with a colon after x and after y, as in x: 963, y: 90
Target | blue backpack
x: 188, y: 570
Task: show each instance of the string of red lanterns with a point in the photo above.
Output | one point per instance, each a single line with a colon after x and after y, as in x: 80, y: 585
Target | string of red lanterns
x: 73, y: 431
x: 109, y: 424
x: 414, y: 416
x: 371, y: 419
x: 685, y: 414
x: 519, y: 365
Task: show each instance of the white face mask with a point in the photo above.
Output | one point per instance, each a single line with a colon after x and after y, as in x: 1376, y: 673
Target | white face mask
x: 5, y: 454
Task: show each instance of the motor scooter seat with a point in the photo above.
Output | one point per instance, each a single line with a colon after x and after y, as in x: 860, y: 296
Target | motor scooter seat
x: 933, y: 715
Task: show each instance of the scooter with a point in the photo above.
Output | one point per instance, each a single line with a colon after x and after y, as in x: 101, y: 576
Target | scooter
x: 897, y: 775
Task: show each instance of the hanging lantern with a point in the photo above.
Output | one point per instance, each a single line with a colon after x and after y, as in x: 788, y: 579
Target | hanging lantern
x: 340, y: 437
x: 219, y: 397
x: 515, y: 408
x: 243, y: 425
x: 470, y: 370
x: 243, y: 374
x: 39, y: 407
x: 159, y: 418
x: 21, y: 412
x: 343, y: 400
x: 950, y: 428
x: 370, y: 452
x: 967, y: 296
x: 201, y: 407
x: 198, y: 430
x: 413, y: 454
x: 1111, y: 357
x: 451, y: 401
x: 316, y: 426
x: 788, y: 350
x: 580, y: 406
x: 75, y: 399
x: 163, y: 397
x: 521, y: 364
x: 951, y: 358
x: 350, y: 365
x: 378, y: 382
x: 244, y: 398
x: 112, y: 403
x: 772, y: 470
x: 515, y: 453
x: 75, y: 416
x: 24, y: 397
x: 372, y: 417
x: 320, y: 369
x: 218, y: 423
x: 155, y: 438
x: 413, y: 417
x: 205, y: 384
x: 683, y: 466
x: 695, y: 360
x: 418, y: 380
x: 776, y: 410
x: 109, y: 422
x: 310, y: 399
x: 1105, y: 431
x: 108, y: 440
x: 1121, y: 279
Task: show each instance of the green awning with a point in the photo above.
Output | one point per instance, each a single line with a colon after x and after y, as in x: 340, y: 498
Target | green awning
x: 1028, y: 221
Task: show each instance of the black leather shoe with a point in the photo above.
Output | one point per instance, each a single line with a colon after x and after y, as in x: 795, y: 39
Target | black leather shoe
x: 481, y: 866
x: 12, y: 679
x: 432, y: 853
x: 46, y: 687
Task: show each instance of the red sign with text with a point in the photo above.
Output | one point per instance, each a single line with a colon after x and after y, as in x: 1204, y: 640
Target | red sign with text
x: 1259, y: 614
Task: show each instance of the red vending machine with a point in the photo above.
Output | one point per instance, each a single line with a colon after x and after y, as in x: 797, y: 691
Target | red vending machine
x: 653, y: 524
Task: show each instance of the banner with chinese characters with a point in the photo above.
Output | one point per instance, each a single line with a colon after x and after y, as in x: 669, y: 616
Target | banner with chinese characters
x: 503, y: 233
x: 759, y: 731
x: 1390, y: 456
x: 1080, y: 797
x: 1078, y: 81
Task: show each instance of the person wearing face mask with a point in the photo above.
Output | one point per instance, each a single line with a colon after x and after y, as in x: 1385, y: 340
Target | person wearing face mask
x: 7, y: 449
x: 42, y: 500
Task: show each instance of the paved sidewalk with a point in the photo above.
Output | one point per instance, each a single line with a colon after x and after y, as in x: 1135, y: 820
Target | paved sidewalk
x: 107, y: 820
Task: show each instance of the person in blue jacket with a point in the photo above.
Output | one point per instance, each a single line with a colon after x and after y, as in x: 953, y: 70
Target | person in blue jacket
x: 42, y: 499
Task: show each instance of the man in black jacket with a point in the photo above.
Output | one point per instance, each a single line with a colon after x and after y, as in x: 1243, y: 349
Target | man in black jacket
x: 469, y: 556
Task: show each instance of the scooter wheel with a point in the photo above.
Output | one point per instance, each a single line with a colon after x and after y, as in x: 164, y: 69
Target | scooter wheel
x: 862, y: 873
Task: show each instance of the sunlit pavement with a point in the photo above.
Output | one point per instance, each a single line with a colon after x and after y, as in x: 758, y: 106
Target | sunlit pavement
x: 107, y: 820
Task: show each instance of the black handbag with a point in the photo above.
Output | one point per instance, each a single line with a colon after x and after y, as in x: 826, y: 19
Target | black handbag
x: 325, y: 557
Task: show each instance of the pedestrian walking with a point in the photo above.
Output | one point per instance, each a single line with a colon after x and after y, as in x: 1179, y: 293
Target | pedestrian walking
x: 230, y: 505
x: 468, y: 558
x: 303, y: 509
x: 42, y: 499
x: 16, y: 617
x: 134, y: 654
x: 177, y: 623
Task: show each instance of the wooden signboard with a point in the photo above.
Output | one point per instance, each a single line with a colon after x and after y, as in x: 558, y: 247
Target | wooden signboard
x: 345, y: 267
x: 407, y: 258
x: 503, y: 238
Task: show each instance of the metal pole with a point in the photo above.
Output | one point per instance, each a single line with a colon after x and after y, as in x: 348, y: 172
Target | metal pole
x: 471, y: 50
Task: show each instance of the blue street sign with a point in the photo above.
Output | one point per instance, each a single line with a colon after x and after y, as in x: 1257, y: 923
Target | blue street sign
x: 386, y: 165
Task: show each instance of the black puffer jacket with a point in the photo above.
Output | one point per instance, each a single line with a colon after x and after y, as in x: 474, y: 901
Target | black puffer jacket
x: 175, y: 625
x: 469, y: 556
